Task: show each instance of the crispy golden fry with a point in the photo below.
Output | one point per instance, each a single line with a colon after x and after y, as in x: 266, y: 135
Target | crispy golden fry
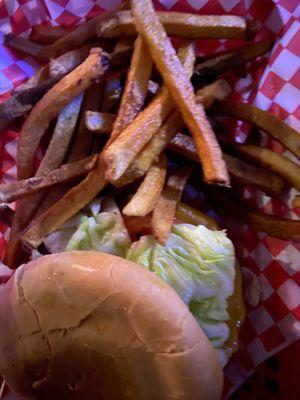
x: 190, y: 215
x: 164, y: 212
x: 140, y: 165
x: 50, y: 105
x: 145, y: 199
x: 136, y: 88
x: 219, y: 64
x: 188, y: 26
x: 278, y: 227
x: 119, y: 155
x: 72, y: 202
x: 47, y: 34
x: 176, y: 79
x: 99, y: 122
x: 275, y: 162
x: 276, y: 128
x: 23, y: 101
x: 25, y: 45
x: 10, y: 192
x: 296, y: 202
x: 238, y: 169
x: 6, y: 215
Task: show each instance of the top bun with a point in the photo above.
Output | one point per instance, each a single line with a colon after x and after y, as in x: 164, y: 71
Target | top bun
x: 88, y: 325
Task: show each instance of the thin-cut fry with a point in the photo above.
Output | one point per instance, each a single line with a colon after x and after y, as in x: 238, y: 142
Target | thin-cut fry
x: 72, y: 40
x: 72, y: 202
x: 175, y: 77
x: 47, y: 34
x: 57, y: 67
x: 53, y: 158
x: 145, y: 199
x: 14, y: 191
x: 275, y: 162
x: 231, y: 60
x: 188, y: 26
x: 24, y: 45
x: 190, y: 215
x: 164, y: 212
x: 278, y: 227
x: 99, y: 122
x: 6, y: 215
x: 41, y: 75
x: 296, y: 202
x: 61, y: 137
x: 84, y: 140
x: 50, y: 105
x: 23, y: 101
x: 238, y: 170
x: 68, y: 61
x: 81, y: 34
x: 140, y: 165
x: 250, y: 175
x: 275, y: 127
x: 136, y: 88
x: 119, y: 155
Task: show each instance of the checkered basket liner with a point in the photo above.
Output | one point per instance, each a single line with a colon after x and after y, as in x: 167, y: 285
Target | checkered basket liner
x: 270, y: 266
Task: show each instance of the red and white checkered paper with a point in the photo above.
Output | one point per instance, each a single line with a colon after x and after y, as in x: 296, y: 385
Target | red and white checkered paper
x: 270, y: 266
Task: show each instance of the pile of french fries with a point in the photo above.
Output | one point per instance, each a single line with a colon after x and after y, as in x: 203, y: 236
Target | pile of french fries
x: 131, y: 116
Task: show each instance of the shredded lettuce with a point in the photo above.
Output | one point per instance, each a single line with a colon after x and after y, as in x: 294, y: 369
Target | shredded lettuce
x: 200, y: 265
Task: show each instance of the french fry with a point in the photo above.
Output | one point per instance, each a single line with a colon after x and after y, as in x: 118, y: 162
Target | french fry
x: 278, y: 227
x: 239, y: 170
x: 135, y: 90
x: 84, y: 140
x: 52, y: 159
x: 188, y: 26
x: 50, y: 105
x: 6, y: 215
x: 145, y: 199
x: 72, y: 202
x: 176, y: 79
x: 164, y: 212
x: 272, y: 125
x: 57, y: 67
x: 190, y: 215
x: 82, y: 33
x: 24, y: 45
x: 68, y: 61
x: 47, y: 34
x: 275, y: 162
x: 23, y: 101
x: 99, y: 122
x: 119, y: 155
x: 72, y: 40
x: 231, y: 60
x: 140, y: 165
x: 17, y: 190
x: 296, y: 202
x: 61, y: 137
x: 248, y: 174
x: 41, y: 75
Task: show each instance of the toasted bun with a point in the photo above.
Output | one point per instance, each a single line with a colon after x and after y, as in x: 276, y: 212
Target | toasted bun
x: 87, y: 325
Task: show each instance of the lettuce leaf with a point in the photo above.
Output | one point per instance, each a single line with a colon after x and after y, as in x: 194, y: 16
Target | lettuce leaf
x: 98, y: 227
x: 200, y: 265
